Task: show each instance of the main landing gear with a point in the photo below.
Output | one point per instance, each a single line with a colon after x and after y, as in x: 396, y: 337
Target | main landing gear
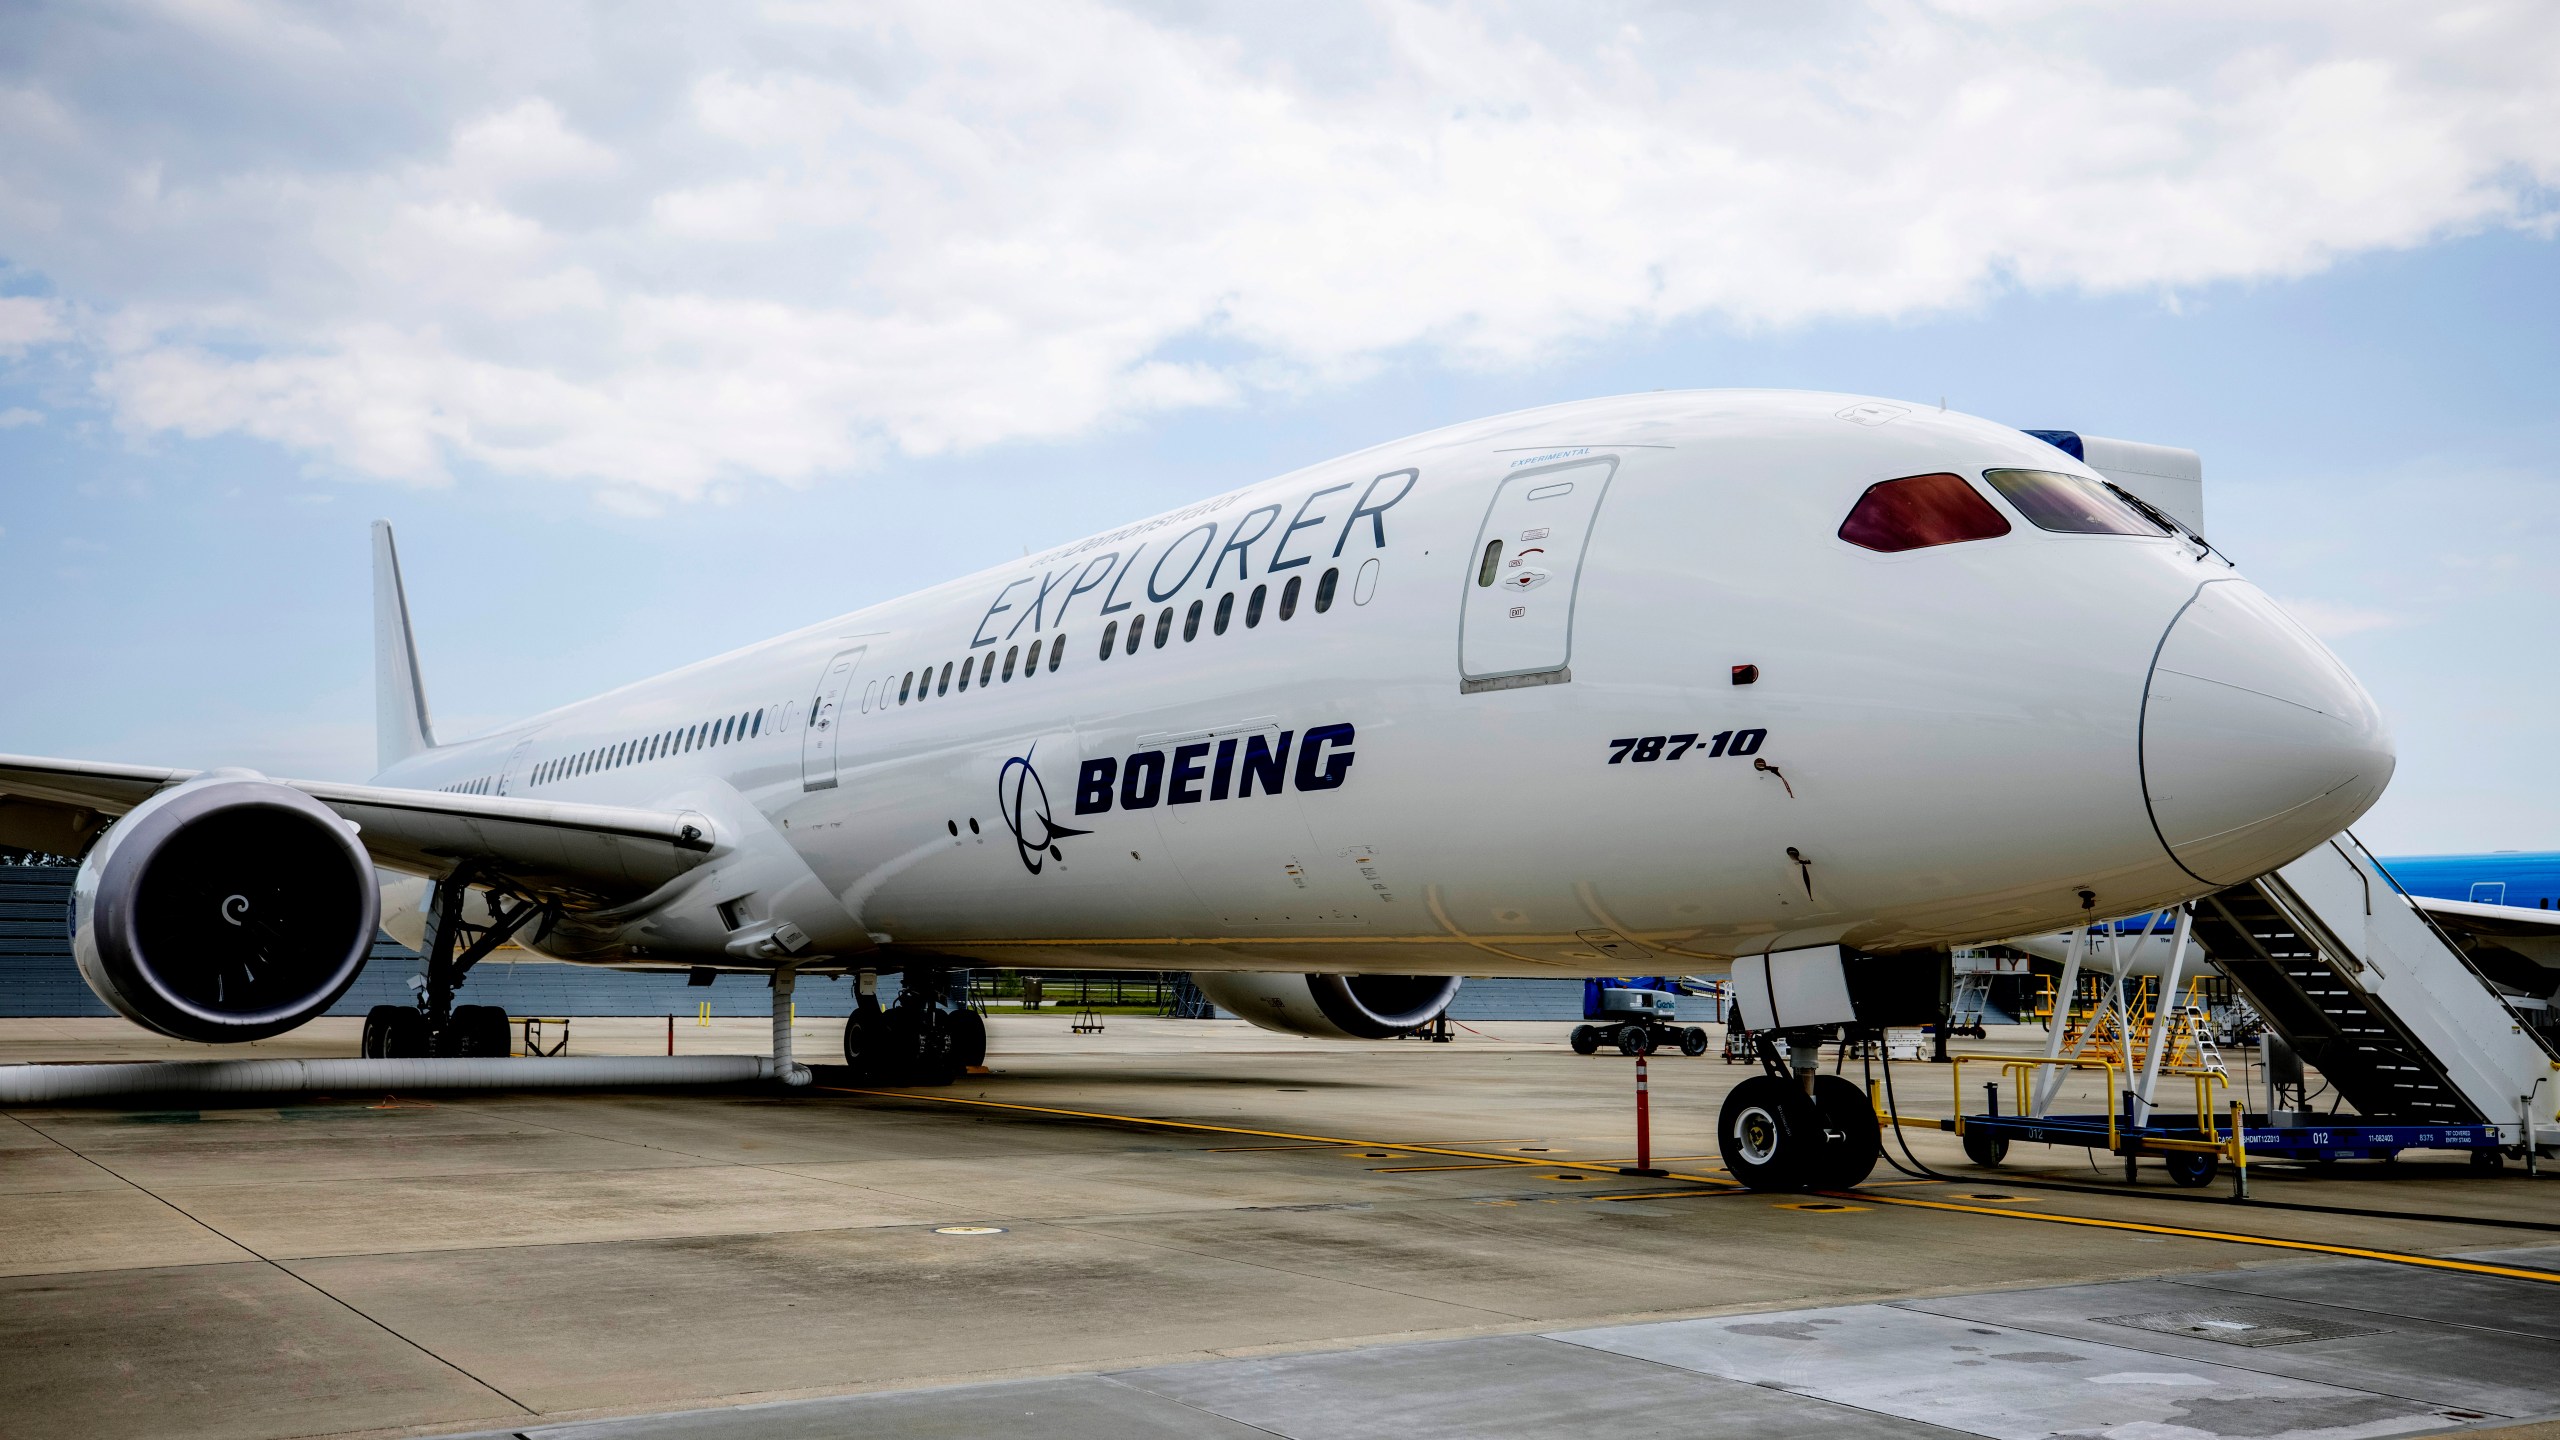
x: 435, y: 1026
x: 1793, y: 1128
x: 928, y: 1037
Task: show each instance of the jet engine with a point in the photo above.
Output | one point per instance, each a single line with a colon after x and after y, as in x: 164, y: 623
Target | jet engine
x: 1337, y: 1007
x: 230, y: 908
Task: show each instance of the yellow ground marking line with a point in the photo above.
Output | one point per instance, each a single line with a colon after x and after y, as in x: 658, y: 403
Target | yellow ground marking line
x: 1309, y: 1141
x: 2227, y: 1237
x: 2139, y: 1227
x: 1425, y: 1169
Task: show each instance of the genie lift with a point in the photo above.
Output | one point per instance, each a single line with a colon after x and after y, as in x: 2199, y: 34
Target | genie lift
x: 1635, y: 1015
x: 2417, y: 1048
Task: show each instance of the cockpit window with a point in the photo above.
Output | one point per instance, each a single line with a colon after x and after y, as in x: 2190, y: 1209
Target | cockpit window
x: 2054, y: 501
x: 1919, y: 511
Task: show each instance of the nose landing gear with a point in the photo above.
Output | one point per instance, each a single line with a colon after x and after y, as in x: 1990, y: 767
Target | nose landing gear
x: 1794, y: 1129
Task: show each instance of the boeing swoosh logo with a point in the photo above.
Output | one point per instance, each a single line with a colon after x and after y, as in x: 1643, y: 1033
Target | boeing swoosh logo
x: 1024, y: 803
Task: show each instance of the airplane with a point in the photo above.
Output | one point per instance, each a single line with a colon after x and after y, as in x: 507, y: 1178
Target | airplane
x: 1797, y: 687
x: 2503, y: 910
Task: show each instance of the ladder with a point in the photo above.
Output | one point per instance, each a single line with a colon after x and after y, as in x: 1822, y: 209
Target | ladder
x: 2305, y: 993
x: 2362, y: 984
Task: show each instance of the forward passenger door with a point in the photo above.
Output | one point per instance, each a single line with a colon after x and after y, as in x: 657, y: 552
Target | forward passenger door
x: 1515, y: 626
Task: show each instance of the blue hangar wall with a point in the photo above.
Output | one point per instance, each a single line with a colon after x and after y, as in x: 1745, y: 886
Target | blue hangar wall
x: 38, y: 979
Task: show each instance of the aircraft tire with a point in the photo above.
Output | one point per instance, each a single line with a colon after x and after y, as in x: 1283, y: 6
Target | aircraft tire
x: 381, y: 1024
x: 473, y: 1032
x: 867, y: 1043
x: 969, y: 1038
x: 1767, y: 1134
x: 1693, y: 1042
x: 1852, y: 1140
x: 1586, y: 1040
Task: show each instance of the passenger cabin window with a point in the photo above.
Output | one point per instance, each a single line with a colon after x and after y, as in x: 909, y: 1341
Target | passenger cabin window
x: 1289, y: 599
x: 1057, y: 652
x: 1137, y: 633
x: 1226, y: 612
x: 987, y: 669
x: 1191, y: 621
x: 2054, y: 501
x: 1164, y: 627
x: 1253, y: 606
x: 1010, y: 656
x: 1325, y: 588
x: 1492, y: 562
x: 1110, y: 637
x: 1919, y: 511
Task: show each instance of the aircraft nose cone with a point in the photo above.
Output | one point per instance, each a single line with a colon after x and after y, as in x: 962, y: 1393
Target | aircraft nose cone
x: 2256, y: 743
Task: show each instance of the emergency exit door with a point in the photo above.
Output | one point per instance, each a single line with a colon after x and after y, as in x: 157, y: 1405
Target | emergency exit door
x: 1516, y: 626
x: 826, y: 721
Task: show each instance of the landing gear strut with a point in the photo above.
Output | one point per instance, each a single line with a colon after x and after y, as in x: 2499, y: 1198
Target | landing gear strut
x: 928, y: 1037
x: 435, y: 1025
x: 1793, y: 1128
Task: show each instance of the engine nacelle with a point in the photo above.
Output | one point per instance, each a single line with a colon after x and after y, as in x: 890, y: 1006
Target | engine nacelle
x: 231, y: 908
x: 1337, y: 1007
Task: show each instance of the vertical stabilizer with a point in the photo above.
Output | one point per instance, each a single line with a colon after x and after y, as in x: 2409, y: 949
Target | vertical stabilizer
x: 400, y: 726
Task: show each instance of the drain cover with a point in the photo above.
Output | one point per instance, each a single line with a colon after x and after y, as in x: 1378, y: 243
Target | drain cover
x: 2241, y: 1325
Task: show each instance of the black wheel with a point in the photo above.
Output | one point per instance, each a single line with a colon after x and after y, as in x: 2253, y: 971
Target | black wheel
x: 1851, y: 1139
x: 2488, y: 1160
x: 1634, y: 1040
x: 866, y: 1043
x: 1693, y: 1042
x: 937, y: 1053
x: 474, y: 1032
x: 1984, y: 1148
x: 379, y: 1023
x: 1767, y: 1133
x: 1586, y: 1040
x: 2191, y: 1168
x: 968, y: 1038
x: 401, y: 1033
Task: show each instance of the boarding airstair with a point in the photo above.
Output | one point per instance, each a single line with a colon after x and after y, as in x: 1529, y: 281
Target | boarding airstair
x: 2366, y: 987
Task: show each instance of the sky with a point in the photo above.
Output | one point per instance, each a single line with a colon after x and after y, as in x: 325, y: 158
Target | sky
x: 656, y: 330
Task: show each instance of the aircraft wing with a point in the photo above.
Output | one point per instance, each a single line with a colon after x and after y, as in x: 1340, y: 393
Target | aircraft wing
x: 583, y: 854
x: 2534, y: 934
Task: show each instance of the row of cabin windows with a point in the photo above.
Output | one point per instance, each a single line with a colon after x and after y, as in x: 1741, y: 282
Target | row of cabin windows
x: 1026, y: 661
x: 932, y: 681
x: 485, y: 785
x: 724, y: 731
x: 1224, y: 616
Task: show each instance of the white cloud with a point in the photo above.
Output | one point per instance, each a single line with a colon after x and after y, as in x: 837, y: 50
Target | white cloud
x: 25, y: 322
x: 17, y: 415
x: 653, y: 252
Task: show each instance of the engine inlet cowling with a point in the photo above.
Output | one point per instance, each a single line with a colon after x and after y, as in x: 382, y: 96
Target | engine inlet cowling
x: 1337, y: 1007
x: 229, y: 909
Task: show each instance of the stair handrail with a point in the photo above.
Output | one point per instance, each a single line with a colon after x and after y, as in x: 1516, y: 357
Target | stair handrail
x: 2491, y: 986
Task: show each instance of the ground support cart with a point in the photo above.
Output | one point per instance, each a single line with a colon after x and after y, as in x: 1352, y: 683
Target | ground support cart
x: 1637, y: 1022
x: 2196, y: 1144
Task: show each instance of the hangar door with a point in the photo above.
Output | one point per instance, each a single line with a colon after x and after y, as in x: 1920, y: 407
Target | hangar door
x: 1516, y: 624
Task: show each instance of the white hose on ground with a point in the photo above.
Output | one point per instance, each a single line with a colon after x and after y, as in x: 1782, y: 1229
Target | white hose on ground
x: 785, y: 1069
x: 38, y: 1084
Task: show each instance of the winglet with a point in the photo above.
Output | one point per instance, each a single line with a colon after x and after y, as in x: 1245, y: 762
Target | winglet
x: 400, y: 724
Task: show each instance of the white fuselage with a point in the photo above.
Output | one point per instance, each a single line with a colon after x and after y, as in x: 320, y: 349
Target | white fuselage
x: 1942, y: 745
